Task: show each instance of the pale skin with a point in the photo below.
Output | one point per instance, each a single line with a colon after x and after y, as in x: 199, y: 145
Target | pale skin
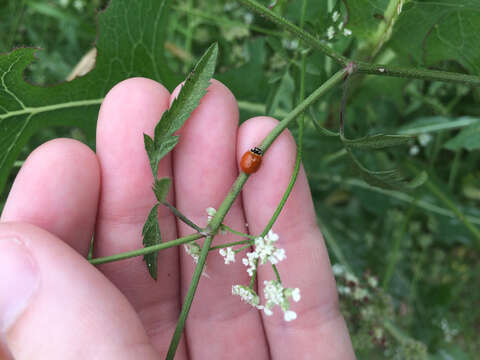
x: 64, y: 192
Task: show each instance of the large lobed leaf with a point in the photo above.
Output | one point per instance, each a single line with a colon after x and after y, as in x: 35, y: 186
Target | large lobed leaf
x: 130, y: 43
x: 431, y: 31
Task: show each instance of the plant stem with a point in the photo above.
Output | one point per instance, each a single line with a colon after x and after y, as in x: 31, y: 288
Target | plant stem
x: 238, y: 232
x: 146, y: 250
x: 182, y: 217
x: 362, y: 67
x: 241, y: 242
x: 327, y: 85
x: 189, y: 298
x: 454, y: 169
x: 227, y: 203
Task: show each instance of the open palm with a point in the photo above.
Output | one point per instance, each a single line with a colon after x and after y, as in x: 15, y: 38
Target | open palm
x: 117, y: 311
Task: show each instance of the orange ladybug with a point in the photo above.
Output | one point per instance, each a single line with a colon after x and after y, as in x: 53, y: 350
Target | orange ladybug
x: 251, y: 160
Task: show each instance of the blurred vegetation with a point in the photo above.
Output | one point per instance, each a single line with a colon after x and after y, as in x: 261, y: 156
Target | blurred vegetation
x: 418, y: 246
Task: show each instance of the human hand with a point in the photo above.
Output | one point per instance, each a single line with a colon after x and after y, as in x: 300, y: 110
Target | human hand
x: 55, y: 305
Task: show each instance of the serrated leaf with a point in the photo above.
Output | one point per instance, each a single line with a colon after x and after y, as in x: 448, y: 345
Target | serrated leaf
x: 194, y: 88
x: 468, y: 138
x: 151, y: 236
x: 388, y: 179
x: 130, y: 43
x: 378, y: 141
x: 161, y: 188
x: 156, y: 152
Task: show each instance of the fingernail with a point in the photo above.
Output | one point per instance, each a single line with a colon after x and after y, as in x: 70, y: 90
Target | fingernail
x: 19, y: 278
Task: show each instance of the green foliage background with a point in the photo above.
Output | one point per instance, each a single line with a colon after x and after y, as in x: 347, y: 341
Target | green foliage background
x: 419, y: 244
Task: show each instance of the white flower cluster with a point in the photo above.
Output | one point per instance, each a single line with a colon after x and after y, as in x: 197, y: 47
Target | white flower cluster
x: 332, y: 31
x: 350, y: 286
x: 246, y: 294
x: 228, y: 254
x: 265, y: 250
x: 275, y: 294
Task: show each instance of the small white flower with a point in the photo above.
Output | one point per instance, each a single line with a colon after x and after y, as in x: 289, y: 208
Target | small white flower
x: 250, y: 261
x: 64, y: 3
x: 349, y: 277
x: 344, y: 290
x: 296, y: 295
x: 272, y: 236
x: 338, y: 269
x: 289, y: 315
x: 372, y: 281
x: 79, y: 5
x: 347, y: 32
x: 340, y: 25
x: 248, y: 18
x: 211, y: 213
x: 246, y: 294
x: 228, y: 254
x: 414, y: 150
x: 276, y: 294
x: 424, y: 139
x: 330, y: 32
x: 335, y: 16
x: 360, y: 294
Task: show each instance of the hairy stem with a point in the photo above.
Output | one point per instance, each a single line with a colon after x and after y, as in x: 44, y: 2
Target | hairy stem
x: 362, y: 67
x: 146, y: 250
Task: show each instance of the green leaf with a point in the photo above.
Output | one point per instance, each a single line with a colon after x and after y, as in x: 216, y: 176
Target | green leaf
x: 161, y: 188
x: 151, y: 236
x: 388, y: 179
x: 468, y: 138
x: 194, y: 88
x: 432, y: 31
x: 130, y: 43
x: 157, y: 151
x: 378, y: 141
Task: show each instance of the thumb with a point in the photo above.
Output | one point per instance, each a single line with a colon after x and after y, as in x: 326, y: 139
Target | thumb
x: 55, y: 305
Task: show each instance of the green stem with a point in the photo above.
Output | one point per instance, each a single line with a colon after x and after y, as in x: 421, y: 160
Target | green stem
x: 327, y: 85
x: 189, y: 298
x: 40, y: 109
x: 362, y: 67
x: 145, y: 250
x: 238, y: 232
x: 241, y: 242
x: 227, y: 203
x: 454, y: 169
x: 277, y: 274
x: 182, y: 217
x: 395, y: 253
